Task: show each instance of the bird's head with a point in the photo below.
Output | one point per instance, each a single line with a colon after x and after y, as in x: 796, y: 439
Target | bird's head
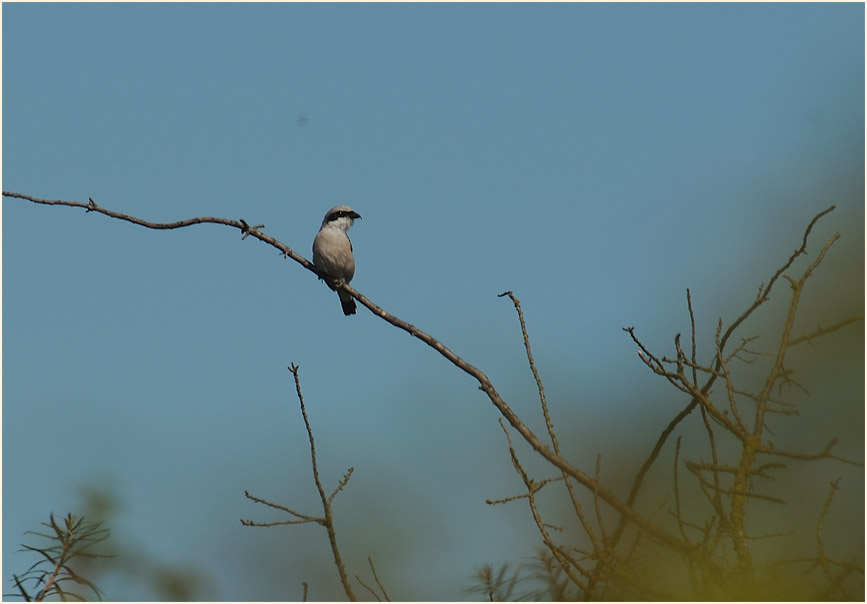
x: 341, y: 217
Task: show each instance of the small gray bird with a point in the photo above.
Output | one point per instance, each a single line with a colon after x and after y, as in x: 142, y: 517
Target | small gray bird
x: 332, y: 251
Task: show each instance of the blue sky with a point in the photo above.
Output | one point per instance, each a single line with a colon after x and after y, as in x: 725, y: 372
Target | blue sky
x: 594, y: 159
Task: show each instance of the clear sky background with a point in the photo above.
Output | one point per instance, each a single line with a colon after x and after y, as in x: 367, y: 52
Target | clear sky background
x: 597, y: 160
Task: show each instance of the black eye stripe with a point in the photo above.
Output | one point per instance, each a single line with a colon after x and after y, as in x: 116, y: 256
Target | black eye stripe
x: 341, y: 214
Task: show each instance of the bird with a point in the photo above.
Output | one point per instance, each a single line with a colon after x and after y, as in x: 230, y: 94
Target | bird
x: 332, y: 251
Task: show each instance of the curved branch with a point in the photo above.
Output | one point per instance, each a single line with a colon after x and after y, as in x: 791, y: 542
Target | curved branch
x: 485, y: 384
x: 240, y: 224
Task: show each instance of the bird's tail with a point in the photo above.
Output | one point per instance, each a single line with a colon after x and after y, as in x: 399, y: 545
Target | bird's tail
x: 347, y: 302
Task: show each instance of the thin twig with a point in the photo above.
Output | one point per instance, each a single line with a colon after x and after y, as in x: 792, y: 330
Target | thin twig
x: 376, y: 578
x: 326, y: 501
x: 564, y: 559
x: 576, y: 505
x: 302, y: 517
x: 678, y: 514
x: 368, y: 588
x: 327, y: 520
x: 821, y: 331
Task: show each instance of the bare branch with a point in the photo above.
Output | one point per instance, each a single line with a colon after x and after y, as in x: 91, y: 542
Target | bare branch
x: 576, y: 505
x: 751, y: 438
x: 536, y: 377
x: 326, y: 501
x: 764, y: 291
x: 826, y: 453
x: 821, y: 331
x: 342, y: 484
x: 376, y: 578
x: 678, y: 516
x: 729, y: 384
x: 692, y: 335
x: 302, y: 517
x: 564, y: 559
x: 240, y: 224
x: 368, y: 588
x: 484, y: 382
x: 327, y: 520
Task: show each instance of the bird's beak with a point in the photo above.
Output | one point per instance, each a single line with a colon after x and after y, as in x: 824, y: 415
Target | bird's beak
x: 355, y: 215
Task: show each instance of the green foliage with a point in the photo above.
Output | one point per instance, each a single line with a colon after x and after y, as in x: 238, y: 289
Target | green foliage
x: 540, y: 579
x: 66, y: 542
x: 497, y: 586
